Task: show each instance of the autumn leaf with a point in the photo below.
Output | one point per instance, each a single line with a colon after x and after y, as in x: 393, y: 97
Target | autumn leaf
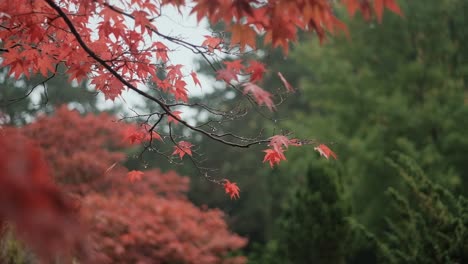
x: 261, y: 96
x: 286, y: 84
x: 133, y: 135
x: 211, y: 43
x: 234, y: 66
x: 171, y: 119
x: 390, y: 4
x: 231, y: 188
x: 141, y: 20
x: 278, y: 142
x: 256, y: 70
x: 179, y: 90
x: 196, y: 81
x: 325, y: 151
x: 134, y: 175
x: 161, y: 51
x: 243, y: 35
x: 226, y: 75
x: 182, y: 148
x: 273, y: 156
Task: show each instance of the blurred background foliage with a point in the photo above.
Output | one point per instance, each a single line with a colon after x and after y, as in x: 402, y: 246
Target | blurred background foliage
x: 391, y: 100
x: 390, y: 89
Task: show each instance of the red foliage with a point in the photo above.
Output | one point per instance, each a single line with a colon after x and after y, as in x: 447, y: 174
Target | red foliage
x: 260, y: 96
x: 286, y: 84
x: 147, y: 221
x: 256, y: 70
x: 116, y: 56
x: 37, y: 36
x: 78, y: 147
x: 231, y: 188
x: 134, y: 175
x: 182, y: 148
x: 36, y: 43
x: 42, y: 216
x: 274, y: 156
x: 325, y: 151
x: 133, y: 228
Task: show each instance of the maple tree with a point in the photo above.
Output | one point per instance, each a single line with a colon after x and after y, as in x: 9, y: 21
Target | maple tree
x: 118, y: 46
x: 116, y: 55
x: 109, y: 199
x: 30, y: 199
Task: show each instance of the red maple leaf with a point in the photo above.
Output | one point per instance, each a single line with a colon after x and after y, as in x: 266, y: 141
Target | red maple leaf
x: 286, y: 84
x: 212, y: 43
x: 256, y: 70
x: 243, y: 35
x: 195, y: 78
x: 234, y: 66
x: 182, y: 148
x: 261, y: 96
x: 325, y: 151
x: 141, y: 20
x: 134, y: 175
x: 231, y: 188
x: 179, y: 91
x: 226, y: 75
x: 273, y: 156
x: 390, y: 4
x: 172, y: 119
x: 277, y: 142
x: 161, y: 51
x: 133, y: 135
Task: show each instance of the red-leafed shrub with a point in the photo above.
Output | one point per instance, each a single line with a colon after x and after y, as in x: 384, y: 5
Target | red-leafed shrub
x: 29, y: 199
x: 79, y: 148
x: 145, y: 220
x: 146, y: 228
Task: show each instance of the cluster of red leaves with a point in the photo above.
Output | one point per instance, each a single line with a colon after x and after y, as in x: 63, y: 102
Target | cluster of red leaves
x: 37, y: 40
x: 78, y: 147
x: 136, y: 135
x: 169, y: 185
x: 256, y: 70
x: 231, y: 188
x: 280, y: 20
x: 42, y: 215
x: 146, y: 221
x: 182, y: 148
x: 39, y: 35
x: 278, y: 144
x: 144, y: 228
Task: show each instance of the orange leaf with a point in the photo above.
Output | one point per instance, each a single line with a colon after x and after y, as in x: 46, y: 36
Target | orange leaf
x: 243, y: 35
x: 325, y: 151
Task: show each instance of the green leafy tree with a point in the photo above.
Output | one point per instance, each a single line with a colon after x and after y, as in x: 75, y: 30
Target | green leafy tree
x: 399, y: 85
x: 428, y: 225
x: 313, y: 227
